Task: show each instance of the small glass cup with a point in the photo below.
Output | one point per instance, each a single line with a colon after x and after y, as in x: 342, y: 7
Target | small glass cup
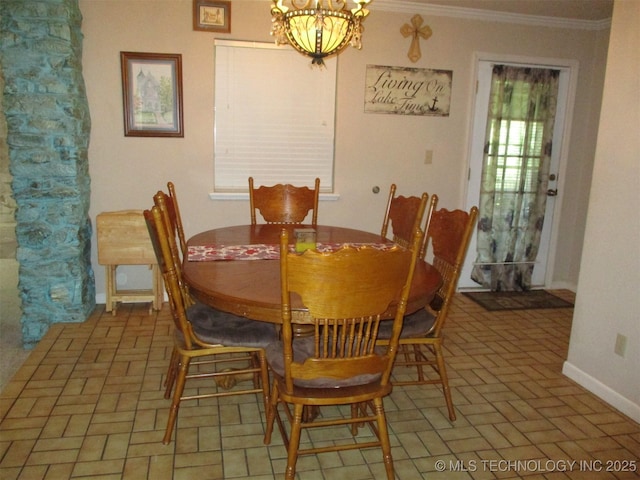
x: 305, y: 239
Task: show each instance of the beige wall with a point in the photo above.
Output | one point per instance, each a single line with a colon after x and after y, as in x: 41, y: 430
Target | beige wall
x: 370, y: 149
x: 607, y: 302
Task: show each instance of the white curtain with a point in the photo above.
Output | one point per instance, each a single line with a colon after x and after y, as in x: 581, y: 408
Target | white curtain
x: 513, y: 192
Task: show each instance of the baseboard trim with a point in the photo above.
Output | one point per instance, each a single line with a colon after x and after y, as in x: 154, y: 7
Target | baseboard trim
x: 562, y: 286
x: 602, y: 391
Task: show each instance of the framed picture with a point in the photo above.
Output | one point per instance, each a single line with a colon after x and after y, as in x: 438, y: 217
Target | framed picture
x: 212, y: 16
x: 152, y: 94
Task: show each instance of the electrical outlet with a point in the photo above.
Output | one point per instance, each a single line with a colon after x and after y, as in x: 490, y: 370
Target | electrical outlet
x: 428, y: 157
x: 621, y: 345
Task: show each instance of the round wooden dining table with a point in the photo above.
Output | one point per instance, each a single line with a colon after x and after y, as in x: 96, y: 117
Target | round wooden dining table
x: 251, y: 288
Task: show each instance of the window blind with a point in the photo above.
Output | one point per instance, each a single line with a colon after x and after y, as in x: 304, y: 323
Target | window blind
x: 274, y: 117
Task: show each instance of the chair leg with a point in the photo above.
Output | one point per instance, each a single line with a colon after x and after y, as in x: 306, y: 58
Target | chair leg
x: 271, y: 413
x: 442, y: 371
x: 171, y: 373
x: 355, y: 408
x: 264, y: 372
x: 383, y: 433
x: 254, y: 362
x: 294, y: 442
x: 418, y: 354
x: 405, y: 353
x: 177, y: 396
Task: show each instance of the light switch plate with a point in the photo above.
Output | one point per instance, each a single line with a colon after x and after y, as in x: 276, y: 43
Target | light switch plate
x: 621, y: 345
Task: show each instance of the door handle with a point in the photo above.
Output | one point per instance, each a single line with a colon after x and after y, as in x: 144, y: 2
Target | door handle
x: 552, y: 192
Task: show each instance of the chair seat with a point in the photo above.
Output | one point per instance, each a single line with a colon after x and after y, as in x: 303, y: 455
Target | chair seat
x: 417, y: 324
x: 303, y: 348
x: 217, y: 327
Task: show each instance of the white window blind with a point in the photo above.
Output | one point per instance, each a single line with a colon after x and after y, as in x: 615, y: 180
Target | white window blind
x: 274, y: 117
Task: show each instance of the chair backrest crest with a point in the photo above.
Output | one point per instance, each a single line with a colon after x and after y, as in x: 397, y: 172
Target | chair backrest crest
x: 372, y: 295
x: 167, y: 207
x: 284, y: 203
x: 404, y: 215
x: 448, y: 234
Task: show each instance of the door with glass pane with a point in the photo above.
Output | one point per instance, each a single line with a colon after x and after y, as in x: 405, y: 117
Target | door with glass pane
x: 506, y: 171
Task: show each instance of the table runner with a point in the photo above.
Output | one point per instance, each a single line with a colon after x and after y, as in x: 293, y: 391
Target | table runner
x: 208, y: 253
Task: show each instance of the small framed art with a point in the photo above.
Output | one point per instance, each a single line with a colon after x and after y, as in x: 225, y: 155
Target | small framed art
x: 152, y: 94
x: 212, y: 16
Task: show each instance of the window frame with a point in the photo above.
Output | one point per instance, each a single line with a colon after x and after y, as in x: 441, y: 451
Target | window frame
x: 319, y: 114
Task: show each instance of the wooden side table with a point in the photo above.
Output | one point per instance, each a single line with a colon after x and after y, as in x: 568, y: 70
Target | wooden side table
x: 123, y: 239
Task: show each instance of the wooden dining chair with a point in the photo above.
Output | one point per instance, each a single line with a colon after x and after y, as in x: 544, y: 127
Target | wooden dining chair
x: 208, y: 343
x: 284, y: 203
x: 421, y: 340
x: 404, y: 215
x: 345, y: 292
x: 163, y: 202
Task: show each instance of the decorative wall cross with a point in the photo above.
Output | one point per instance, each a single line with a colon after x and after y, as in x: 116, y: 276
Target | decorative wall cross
x: 415, y: 30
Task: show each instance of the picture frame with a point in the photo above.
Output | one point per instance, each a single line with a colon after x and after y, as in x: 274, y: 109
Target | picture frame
x: 152, y: 94
x: 212, y: 16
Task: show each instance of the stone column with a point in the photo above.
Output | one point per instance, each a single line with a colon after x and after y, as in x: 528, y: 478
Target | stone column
x: 48, y: 128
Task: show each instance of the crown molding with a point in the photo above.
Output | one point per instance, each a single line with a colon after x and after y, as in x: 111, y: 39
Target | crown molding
x: 488, y: 15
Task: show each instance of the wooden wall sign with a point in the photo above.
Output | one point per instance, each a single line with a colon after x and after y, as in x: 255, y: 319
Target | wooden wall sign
x: 407, y: 91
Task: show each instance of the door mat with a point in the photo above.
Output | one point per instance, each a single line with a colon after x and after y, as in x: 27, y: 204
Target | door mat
x: 529, y: 300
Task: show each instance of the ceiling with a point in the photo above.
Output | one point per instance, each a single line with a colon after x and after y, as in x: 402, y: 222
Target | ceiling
x: 574, y: 9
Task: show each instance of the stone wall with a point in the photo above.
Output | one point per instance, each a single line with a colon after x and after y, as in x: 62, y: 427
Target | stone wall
x: 7, y: 203
x: 48, y: 128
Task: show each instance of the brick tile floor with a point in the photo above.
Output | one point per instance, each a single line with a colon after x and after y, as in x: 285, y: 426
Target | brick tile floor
x: 88, y: 403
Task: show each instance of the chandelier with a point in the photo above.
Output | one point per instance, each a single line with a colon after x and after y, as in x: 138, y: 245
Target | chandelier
x: 318, y: 28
